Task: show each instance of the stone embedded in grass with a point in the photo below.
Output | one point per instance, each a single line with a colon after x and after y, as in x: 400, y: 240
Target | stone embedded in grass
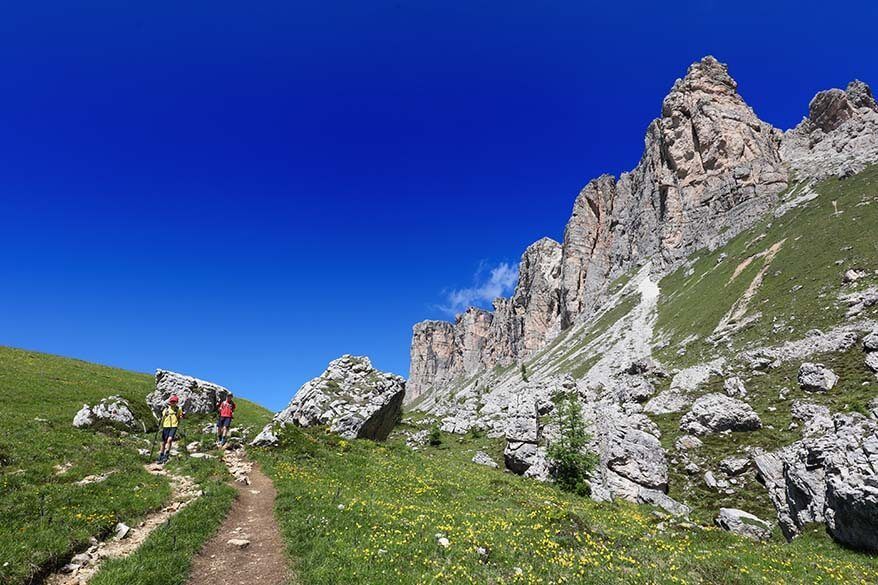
x: 687, y: 442
x: 482, y: 458
x: 734, y: 387
x: 196, y: 396
x: 743, y: 523
x: 872, y: 361
x: 816, y: 377
x: 870, y: 342
x: 713, y: 413
x: 734, y: 465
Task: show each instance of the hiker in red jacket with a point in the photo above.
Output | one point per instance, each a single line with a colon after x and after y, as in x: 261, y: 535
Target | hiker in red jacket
x: 226, y: 412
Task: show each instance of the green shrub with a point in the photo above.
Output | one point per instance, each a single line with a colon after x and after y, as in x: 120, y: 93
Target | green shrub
x: 571, y: 463
x: 435, y: 437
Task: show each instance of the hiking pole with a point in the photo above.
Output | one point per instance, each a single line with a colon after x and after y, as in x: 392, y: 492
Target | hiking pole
x: 155, y: 438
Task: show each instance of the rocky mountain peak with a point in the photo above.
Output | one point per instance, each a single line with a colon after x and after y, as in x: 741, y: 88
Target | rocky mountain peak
x: 860, y: 95
x: 707, y: 76
x: 710, y: 169
x: 839, y: 136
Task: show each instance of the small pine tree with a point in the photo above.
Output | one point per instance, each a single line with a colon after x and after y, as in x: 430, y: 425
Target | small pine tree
x: 571, y: 463
x: 435, y: 436
x: 524, y: 372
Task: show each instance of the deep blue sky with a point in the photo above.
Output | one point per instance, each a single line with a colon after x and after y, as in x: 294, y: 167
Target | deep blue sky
x: 245, y: 190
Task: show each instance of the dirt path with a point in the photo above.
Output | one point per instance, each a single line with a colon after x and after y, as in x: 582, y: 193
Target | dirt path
x: 83, y: 566
x: 251, y: 519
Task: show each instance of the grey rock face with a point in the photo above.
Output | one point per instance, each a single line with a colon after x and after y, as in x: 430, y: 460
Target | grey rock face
x: 870, y: 342
x: 351, y: 397
x: 522, y: 437
x: 816, y: 417
x: 196, y: 396
x: 114, y: 410
x: 631, y: 462
x: 714, y: 413
x: 816, y: 377
x: 839, y: 136
x: 831, y: 478
x: 743, y: 523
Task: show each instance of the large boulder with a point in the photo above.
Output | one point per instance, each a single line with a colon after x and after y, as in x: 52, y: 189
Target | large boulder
x: 196, y: 396
x: 713, y: 413
x: 351, y: 397
x: 522, y: 437
x: 114, y: 411
x: 829, y: 479
x: 743, y: 523
x: 816, y: 377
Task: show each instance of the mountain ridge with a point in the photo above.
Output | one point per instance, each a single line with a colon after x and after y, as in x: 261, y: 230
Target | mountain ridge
x: 710, y: 169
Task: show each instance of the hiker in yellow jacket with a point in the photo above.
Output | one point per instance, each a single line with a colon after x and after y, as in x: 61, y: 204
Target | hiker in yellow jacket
x: 171, y: 417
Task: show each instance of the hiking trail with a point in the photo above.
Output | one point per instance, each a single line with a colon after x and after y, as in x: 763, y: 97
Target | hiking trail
x: 82, y: 567
x: 247, y: 549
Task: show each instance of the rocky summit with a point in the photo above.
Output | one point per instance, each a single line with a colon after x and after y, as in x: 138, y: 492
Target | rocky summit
x: 664, y: 311
x: 351, y: 398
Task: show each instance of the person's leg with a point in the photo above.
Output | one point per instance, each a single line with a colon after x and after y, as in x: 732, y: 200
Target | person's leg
x: 161, y: 458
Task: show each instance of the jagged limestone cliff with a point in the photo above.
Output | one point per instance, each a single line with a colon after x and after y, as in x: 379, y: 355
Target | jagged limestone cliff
x: 710, y: 169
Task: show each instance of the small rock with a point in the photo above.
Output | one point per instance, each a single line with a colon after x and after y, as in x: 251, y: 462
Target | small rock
x: 853, y: 275
x: 239, y: 543
x: 734, y: 387
x: 734, y: 465
x: 482, y: 458
x: 122, y: 531
x: 743, y: 523
x: 816, y: 377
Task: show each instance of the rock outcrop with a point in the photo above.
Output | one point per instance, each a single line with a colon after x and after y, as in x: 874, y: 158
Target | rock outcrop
x: 832, y: 478
x: 196, y: 396
x: 839, y: 136
x: 351, y: 397
x: 710, y: 169
x: 714, y: 413
x: 114, y: 411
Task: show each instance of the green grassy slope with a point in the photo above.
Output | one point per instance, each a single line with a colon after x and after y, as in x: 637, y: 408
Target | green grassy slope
x: 46, y: 515
x: 800, y: 287
x: 359, y: 512
x: 799, y: 293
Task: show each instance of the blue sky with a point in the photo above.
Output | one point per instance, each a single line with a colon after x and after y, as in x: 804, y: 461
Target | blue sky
x: 244, y: 191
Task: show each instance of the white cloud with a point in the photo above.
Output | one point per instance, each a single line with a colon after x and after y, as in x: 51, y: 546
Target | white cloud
x: 487, y: 286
